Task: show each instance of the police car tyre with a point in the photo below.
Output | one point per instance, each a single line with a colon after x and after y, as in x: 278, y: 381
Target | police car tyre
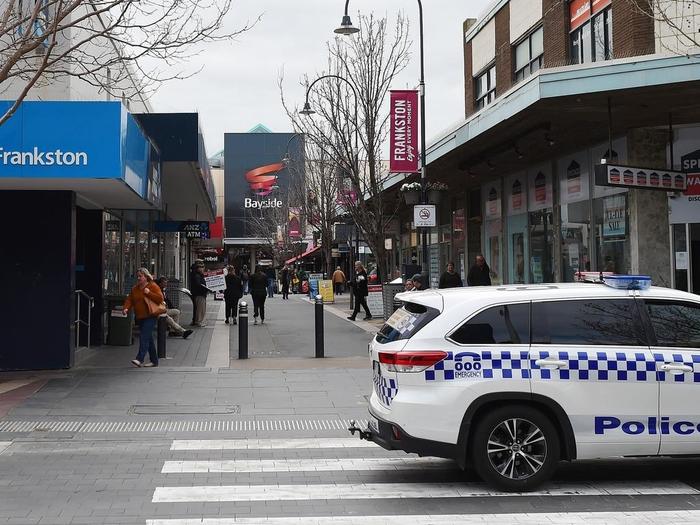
x: 515, y: 448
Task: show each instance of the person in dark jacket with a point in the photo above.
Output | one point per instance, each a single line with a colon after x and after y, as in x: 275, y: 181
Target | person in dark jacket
x: 258, y: 289
x: 199, y: 293
x: 232, y: 294
x: 286, y: 279
x: 271, y: 278
x: 450, y: 279
x: 480, y: 273
x: 359, y: 287
x: 418, y: 281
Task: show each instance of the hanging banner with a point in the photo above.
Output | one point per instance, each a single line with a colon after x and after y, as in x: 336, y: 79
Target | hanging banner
x: 294, y: 224
x: 403, y: 135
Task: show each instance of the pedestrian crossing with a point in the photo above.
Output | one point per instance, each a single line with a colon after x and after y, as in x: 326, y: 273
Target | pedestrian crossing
x: 346, y: 481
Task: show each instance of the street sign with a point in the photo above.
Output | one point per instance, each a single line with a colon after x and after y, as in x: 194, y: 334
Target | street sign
x: 424, y: 216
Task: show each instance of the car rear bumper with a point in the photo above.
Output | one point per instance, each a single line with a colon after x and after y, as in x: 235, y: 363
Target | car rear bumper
x: 392, y: 437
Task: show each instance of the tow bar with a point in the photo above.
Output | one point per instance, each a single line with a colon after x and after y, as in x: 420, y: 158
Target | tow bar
x: 364, y: 434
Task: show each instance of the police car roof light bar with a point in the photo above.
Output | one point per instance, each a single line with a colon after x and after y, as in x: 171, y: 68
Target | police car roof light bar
x: 628, y: 282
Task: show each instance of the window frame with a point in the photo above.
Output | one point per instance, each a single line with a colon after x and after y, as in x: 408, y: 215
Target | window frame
x: 539, y: 59
x: 651, y: 332
x: 644, y: 335
x: 459, y: 325
x: 489, y: 96
x: 604, y: 17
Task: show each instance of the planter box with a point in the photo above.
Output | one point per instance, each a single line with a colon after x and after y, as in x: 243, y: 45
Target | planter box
x: 435, y: 196
x: 411, y: 197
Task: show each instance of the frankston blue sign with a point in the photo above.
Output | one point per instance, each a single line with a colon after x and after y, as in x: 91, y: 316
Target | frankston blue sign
x: 75, y: 140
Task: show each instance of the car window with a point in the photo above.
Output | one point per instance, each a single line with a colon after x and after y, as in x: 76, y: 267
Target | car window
x: 587, y: 322
x: 406, y: 322
x: 505, y: 324
x: 675, y: 323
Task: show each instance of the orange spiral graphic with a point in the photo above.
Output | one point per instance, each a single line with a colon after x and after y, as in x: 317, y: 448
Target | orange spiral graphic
x: 260, y: 182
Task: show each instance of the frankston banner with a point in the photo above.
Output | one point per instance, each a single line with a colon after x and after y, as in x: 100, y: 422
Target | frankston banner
x: 403, y: 136
x: 647, y: 178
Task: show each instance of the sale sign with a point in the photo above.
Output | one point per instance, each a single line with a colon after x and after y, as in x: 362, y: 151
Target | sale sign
x: 403, y: 135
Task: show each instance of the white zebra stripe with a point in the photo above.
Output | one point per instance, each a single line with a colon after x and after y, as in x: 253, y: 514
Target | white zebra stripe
x: 306, y: 465
x: 552, y: 518
x: 269, y: 444
x: 346, y: 491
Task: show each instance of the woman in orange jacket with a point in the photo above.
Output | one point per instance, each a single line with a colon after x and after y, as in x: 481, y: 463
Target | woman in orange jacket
x: 145, y: 287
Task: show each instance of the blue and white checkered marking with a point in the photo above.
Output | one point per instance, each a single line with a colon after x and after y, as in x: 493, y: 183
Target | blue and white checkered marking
x: 580, y: 366
x: 386, y: 389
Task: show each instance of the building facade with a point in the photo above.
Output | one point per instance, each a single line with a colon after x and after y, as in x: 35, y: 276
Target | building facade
x: 554, y: 90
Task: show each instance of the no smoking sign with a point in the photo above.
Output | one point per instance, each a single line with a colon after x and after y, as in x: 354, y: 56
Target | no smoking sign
x: 424, y: 216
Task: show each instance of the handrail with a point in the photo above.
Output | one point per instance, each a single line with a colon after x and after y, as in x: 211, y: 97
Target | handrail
x: 78, y: 321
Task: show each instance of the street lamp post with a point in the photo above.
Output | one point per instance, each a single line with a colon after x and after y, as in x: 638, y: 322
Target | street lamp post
x: 308, y: 110
x: 346, y: 28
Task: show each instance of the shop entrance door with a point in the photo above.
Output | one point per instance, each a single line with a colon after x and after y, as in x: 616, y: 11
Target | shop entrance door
x: 686, y: 257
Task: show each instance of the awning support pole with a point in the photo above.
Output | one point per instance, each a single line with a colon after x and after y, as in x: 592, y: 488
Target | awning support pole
x: 670, y: 139
x: 610, y: 132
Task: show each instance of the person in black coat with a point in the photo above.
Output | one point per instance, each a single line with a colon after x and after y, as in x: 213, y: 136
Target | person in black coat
x: 286, y: 279
x: 233, y: 293
x: 258, y: 289
x: 359, y: 287
x: 450, y: 279
x: 480, y: 273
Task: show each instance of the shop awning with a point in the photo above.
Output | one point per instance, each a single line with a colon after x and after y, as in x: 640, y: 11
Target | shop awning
x: 305, y: 254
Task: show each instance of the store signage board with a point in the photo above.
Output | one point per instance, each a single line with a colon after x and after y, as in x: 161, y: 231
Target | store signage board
x: 637, y: 177
x: 424, y: 216
x: 403, y: 131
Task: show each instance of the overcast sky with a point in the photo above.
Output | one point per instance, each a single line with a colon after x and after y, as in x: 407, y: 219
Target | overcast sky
x: 237, y: 88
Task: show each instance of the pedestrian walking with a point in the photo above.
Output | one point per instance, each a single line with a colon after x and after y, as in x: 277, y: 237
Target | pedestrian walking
x: 359, y: 287
x: 286, y: 279
x: 146, y: 299
x: 480, y: 273
x: 232, y: 294
x: 271, y: 278
x: 172, y: 314
x: 258, y: 289
x: 450, y: 278
x: 199, y: 292
x: 338, y: 281
x: 245, y: 278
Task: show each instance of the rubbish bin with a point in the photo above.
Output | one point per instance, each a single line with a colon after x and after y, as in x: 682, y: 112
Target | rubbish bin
x: 390, y: 303
x: 120, y: 327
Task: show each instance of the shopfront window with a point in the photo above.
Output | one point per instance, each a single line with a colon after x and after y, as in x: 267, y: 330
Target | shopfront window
x: 541, y: 246
x: 680, y: 251
x: 112, y: 253
x: 518, y: 238
x: 494, y: 234
x: 612, y: 233
x: 458, y: 227
x: 574, y: 184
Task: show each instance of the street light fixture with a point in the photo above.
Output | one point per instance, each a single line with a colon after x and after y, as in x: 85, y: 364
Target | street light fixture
x: 423, y: 180
x: 346, y: 28
x: 307, y: 108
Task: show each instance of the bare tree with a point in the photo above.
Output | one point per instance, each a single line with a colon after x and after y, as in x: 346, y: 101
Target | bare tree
x: 352, y: 121
x: 315, y: 190
x: 117, y: 46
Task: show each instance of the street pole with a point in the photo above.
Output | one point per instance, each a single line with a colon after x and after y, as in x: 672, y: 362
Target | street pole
x: 346, y: 28
x: 423, y: 179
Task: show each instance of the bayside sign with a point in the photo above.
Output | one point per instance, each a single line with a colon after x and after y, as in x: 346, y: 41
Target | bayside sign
x: 636, y: 177
x: 403, y: 135
x: 261, y: 204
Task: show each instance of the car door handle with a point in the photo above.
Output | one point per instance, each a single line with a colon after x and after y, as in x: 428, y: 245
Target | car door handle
x: 675, y: 367
x: 550, y: 363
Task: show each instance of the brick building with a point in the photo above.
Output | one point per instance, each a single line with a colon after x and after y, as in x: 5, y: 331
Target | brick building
x: 552, y: 90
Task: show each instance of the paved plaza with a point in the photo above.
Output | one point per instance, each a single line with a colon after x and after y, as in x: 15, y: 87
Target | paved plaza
x: 208, y: 439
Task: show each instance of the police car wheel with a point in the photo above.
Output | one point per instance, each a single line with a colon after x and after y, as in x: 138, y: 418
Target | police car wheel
x: 515, y: 448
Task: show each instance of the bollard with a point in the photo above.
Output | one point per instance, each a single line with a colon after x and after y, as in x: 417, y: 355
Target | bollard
x: 243, y: 330
x: 318, y: 310
x: 162, y: 337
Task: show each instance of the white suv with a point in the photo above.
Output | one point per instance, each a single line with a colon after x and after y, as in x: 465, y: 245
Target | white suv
x: 512, y: 379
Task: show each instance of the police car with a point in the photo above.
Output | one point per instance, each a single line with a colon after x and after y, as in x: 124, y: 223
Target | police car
x: 510, y: 380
